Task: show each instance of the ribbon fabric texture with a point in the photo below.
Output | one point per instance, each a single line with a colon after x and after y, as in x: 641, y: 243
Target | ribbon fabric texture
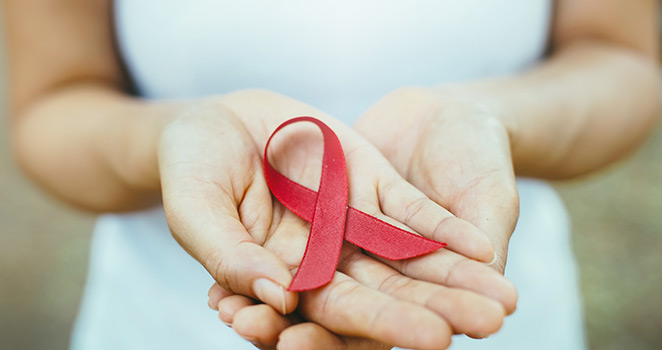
x: 332, y: 221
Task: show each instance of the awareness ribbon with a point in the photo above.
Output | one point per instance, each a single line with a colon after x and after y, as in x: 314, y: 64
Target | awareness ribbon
x: 332, y: 221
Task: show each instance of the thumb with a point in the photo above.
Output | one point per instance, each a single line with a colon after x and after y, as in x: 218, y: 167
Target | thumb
x: 495, y: 213
x: 493, y: 207
x: 212, y: 233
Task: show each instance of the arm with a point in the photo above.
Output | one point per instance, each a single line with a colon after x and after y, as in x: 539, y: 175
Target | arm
x: 591, y: 102
x: 66, y: 92
x: 594, y: 100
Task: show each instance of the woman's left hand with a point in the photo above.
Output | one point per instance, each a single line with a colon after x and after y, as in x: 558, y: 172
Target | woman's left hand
x: 455, y: 148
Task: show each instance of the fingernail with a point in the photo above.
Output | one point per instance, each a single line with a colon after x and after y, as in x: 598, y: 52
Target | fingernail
x: 225, y: 313
x: 496, y: 257
x: 212, y: 305
x: 266, y: 290
x: 225, y: 322
x: 283, y: 301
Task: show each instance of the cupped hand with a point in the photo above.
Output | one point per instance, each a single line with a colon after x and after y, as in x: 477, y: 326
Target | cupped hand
x: 218, y: 206
x: 452, y: 146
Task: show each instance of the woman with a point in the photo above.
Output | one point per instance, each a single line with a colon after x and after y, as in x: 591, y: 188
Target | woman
x: 458, y: 146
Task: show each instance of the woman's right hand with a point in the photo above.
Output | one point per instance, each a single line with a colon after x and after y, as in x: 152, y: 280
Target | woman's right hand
x: 217, y: 204
x: 220, y: 210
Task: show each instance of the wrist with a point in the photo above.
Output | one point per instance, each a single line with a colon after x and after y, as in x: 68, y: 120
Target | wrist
x: 144, y: 124
x: 481, y: 100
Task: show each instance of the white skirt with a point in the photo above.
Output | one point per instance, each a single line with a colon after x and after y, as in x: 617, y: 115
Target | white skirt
x: 144, y: 292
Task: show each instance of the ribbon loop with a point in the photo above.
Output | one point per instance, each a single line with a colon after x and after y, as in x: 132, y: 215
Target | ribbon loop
x: 332, y: 221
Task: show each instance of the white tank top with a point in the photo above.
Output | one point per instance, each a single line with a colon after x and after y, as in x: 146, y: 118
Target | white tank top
x: 339, y: 56
x: 143, y: 290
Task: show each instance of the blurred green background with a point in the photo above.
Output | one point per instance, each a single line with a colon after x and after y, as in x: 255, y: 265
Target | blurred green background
x: 617, y: 221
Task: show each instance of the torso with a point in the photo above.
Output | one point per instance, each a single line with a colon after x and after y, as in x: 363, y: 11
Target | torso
x: 340, y: 56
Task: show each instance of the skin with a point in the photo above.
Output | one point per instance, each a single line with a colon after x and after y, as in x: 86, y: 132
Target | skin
x: 78, y: 134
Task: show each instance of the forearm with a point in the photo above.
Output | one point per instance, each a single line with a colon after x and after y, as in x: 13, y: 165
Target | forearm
x: 96, y: 148
x: 585, y: 107
x: 92, y: 147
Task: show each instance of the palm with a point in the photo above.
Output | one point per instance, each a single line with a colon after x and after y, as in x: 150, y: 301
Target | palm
x: 456, y: 153
x: 482, y: 190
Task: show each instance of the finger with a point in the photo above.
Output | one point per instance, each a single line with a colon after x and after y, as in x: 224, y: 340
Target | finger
x: 309, y: 335
x: 494, y: 212
x: 467, y: 312
x: 481, y: 192
x: 450, y: 269
x: 260, y: 324
x: 263, y: 327
x: 289, y: 239
x: 205, y: 222
x: 346, y: 307
x: 216, y: 293
x: 402, y: 203
x: 228, y: 307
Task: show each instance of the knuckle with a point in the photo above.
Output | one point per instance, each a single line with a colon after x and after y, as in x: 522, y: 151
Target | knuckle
x: 413, y: 208
x: 335, y: 297
x: 346, y: 262
x: 441, y: 226
x: 450, y: 275
x: 394, y: 283
x: 403, y: 266
x: 223, y: 267
x: 388, y: 191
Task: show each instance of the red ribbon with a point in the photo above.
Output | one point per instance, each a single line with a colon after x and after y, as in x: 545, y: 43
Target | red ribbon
x: 332, y: 220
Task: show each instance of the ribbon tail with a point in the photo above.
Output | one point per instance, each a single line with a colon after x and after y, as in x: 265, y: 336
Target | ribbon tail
x: 386, y: 240
x: 319, y: 262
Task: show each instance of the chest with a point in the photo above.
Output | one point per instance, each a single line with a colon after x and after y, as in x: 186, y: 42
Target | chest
x: 338, y: 55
